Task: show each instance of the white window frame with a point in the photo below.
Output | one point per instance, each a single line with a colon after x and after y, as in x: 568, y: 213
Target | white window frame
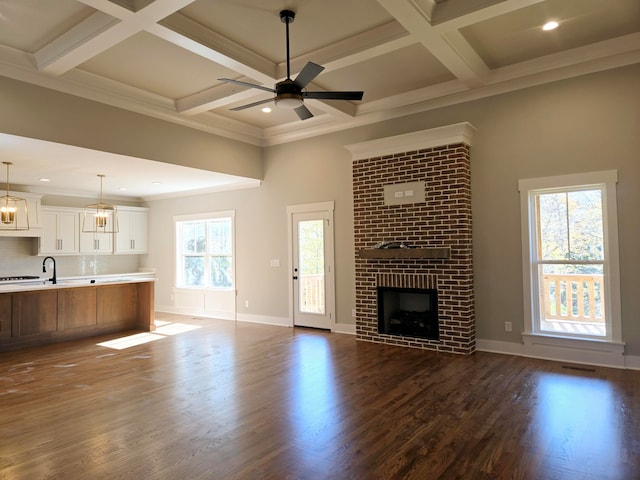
x: 203, y: 217
x: 606, y: 181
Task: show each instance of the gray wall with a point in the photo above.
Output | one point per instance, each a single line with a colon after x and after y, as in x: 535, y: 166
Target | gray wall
x: 578, y: 125
x: 36, y: 112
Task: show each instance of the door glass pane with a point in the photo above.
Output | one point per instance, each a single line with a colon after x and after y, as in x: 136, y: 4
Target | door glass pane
x: 311, y: 287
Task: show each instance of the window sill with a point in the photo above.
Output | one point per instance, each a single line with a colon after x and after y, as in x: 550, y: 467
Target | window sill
x: 204, y: 289
x: 578, y: 350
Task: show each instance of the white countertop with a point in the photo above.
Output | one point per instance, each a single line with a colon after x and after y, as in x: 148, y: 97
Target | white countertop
x: 74, y: 282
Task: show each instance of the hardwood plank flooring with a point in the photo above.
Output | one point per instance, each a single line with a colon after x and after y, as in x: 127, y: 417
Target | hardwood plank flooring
x: 208, y: 399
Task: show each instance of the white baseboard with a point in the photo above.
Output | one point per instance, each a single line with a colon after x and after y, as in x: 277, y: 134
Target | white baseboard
x: 597, y: 357
x: 264, y: 319
x: 632, y: 362
x: 284, y: 322
x: 348, y: 328
x: 194, y: 312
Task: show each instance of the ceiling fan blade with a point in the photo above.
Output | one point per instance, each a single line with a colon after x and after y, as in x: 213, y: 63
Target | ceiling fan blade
x: 303, y: 112
x: 247, y: 84
x: 249, y: 105
x: 307, y: 74
x: 334, y: 95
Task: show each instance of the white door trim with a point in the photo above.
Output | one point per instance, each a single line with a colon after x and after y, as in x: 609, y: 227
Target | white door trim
x: 327, y: 207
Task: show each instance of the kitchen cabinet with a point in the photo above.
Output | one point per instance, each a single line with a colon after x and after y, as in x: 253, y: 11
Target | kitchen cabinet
x: 55, y: 313
x: 95, y: 243
x: 5, y: 316
x: 34, y: 313
x: 117, y: 305
x: 77, y: 308
x: 132, y: 230
x: 60, y: 234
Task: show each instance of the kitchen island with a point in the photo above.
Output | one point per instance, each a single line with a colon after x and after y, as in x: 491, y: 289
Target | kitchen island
x: 40, y: 312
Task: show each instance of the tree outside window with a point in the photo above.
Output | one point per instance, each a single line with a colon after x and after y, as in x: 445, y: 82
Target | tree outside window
x: 570, y: 256
x: 205, y: 253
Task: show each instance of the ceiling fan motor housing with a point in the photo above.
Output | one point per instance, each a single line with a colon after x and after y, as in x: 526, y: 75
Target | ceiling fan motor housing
x: 288, y: 94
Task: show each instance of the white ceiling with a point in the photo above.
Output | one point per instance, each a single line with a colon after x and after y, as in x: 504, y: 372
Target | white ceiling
x: 407, y: 55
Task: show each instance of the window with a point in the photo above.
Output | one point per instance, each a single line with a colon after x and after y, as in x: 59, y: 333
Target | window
x: 570, y: 256
x: 204, y: 251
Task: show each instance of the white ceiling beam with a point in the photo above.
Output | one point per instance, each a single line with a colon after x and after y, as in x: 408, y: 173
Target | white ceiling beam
x: 337, y: 108
x: 377, y: 41
x: 219, y: 96
x: 108, y: 7
x: 358, y: 48
x: 77, y: 44
x: 196, y: 38
x: 452, y: 50
x: 454, y: 14
x: 100, y: 32
x: 612, y: 53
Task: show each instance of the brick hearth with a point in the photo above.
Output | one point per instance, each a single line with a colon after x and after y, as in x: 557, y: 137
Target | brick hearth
x: 443, y: 219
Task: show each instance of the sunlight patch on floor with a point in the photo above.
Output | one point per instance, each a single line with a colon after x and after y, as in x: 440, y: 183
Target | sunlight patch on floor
x: 164, y: 329
x: 175, y: 328
x: 130, y: 341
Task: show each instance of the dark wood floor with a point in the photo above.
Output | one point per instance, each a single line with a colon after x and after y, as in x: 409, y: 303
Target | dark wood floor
x: 227, y: 401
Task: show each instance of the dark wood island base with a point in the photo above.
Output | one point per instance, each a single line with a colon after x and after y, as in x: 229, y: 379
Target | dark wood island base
x: 55, y: 313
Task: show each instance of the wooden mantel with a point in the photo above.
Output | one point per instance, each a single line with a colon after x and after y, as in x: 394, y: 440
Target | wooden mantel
x: 403, y: 253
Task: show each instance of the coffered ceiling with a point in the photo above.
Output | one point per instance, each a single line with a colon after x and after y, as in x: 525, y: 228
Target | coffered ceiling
x: 164, y: 58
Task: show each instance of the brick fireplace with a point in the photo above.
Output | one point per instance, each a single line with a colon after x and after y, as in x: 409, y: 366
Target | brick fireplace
x: 389, y: 176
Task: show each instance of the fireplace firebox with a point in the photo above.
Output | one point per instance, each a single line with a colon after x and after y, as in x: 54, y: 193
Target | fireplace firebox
x: 410, y: 312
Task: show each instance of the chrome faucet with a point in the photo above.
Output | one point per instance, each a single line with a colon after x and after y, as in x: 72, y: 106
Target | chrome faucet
x: 53, y: 279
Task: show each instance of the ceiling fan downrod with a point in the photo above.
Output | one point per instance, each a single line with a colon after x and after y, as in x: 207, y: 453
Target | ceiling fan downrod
x: 287, y: 17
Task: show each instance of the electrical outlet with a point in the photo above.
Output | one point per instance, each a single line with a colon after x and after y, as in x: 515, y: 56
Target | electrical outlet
x: 246, y: 304
x: 353, y: 313
x: 507, y: 326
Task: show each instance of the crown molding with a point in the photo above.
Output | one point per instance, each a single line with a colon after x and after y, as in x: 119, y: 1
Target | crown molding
x: 434, y: 137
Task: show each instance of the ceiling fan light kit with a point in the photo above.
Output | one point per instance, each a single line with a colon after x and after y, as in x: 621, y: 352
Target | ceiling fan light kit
x: 290, y: 94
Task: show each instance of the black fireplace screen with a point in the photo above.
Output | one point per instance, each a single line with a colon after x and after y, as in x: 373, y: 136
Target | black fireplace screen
x: 411, y: 312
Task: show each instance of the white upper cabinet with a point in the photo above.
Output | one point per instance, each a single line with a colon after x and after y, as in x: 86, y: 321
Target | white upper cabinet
x: 60, y: 231
x: 132, y: 226
x: 95, y: 243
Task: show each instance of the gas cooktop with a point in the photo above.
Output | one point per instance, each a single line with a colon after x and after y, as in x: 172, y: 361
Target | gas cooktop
x: 18, y: 277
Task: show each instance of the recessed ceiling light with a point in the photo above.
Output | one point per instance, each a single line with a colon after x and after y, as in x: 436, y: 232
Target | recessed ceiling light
x: 156, y: 183
x: 45, y: 179
x: 266, y: 110
x: 550, y: 25
x: 122, y: 189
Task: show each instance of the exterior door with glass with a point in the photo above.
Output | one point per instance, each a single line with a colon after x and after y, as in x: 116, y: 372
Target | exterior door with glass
x: 312, y: 269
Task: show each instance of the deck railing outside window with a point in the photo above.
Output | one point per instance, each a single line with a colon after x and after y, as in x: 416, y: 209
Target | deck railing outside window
x: 312, y: 293
x: 576, y: 298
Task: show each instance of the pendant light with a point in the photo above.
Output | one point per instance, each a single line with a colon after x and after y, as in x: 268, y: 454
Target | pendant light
x: 14, y: 214
x: 100, y: 217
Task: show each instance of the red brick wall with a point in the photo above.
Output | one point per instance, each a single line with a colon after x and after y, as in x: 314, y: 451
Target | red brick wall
x: 443, y: 219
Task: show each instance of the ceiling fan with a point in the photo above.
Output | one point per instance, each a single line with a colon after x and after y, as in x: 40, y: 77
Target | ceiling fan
x: 290, y: 93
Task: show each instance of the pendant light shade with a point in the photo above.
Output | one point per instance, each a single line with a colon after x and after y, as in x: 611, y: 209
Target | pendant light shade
x: 14, y: 214
x: 100, y: 217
